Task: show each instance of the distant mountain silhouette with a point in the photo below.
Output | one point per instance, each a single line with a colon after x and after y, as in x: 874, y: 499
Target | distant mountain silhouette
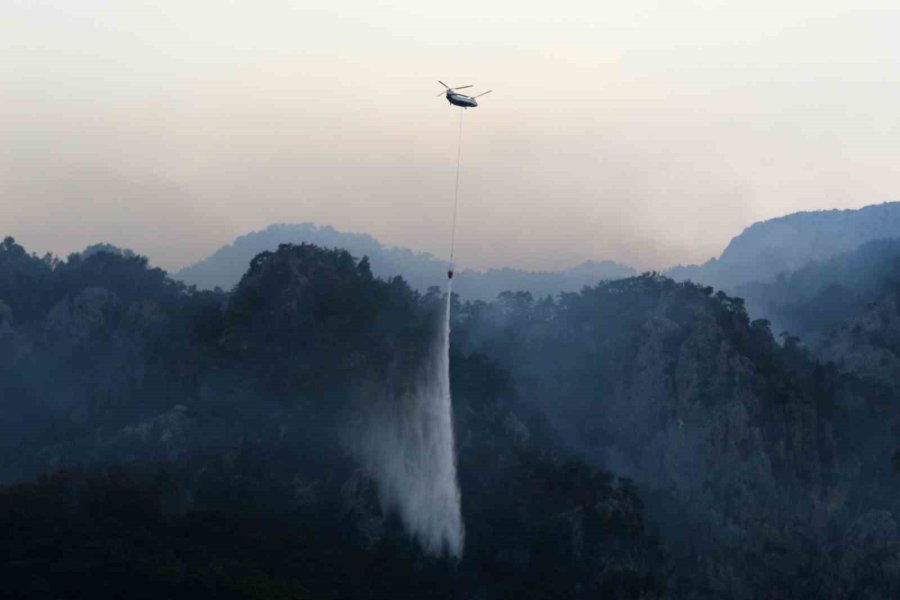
x: 421, y: 270
x: 769, y: 248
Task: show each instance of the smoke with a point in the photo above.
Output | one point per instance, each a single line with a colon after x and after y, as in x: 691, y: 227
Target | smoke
x: 408, y: 448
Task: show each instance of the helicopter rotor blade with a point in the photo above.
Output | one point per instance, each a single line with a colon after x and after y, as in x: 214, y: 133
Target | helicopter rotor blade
x: 443, y: 84
x: 462, y: 87
x: 482, y: 94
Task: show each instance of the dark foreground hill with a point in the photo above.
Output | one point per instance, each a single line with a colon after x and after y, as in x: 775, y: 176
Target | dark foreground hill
x: 753, y: 457
x: 639, y: 439
x: 226, y: 266
x: 162, y: 442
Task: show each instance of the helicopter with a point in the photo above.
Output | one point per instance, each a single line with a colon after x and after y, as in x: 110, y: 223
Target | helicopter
x: 454, y: 97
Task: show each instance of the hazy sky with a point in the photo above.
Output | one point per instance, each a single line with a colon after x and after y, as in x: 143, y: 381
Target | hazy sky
x: 644, y: 132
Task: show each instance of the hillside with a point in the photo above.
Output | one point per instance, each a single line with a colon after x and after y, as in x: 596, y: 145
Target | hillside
x: 766, y: 249
x: 186, y: 444
x: 640, y: 439
x: 742, y: 446
x: 668, y: 384
x: 825, y: 293
x: 224, y: 267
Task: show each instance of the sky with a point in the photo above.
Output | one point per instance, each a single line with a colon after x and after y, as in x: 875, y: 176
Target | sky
x: 648, y: 133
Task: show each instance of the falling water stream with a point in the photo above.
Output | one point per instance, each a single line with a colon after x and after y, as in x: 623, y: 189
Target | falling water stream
x: 409, y: 449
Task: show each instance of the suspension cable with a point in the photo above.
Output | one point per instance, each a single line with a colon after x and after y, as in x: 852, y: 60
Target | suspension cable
x: 456, y: 192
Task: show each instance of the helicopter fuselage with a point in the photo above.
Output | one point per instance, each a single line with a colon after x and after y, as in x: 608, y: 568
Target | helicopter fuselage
x: 461, y: 99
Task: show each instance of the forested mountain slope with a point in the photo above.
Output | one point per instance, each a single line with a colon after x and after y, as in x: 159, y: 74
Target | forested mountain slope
x: 642, y: 438
x: 136, y: 410
x: 821, y: 295
x: 740, y: 444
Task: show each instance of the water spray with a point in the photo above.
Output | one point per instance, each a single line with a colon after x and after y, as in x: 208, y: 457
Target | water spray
x: 408, y: 445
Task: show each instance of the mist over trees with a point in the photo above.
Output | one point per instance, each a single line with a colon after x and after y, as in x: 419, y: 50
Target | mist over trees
x: 823, y: 294
x: 140, y: 409
x: 639, y: 438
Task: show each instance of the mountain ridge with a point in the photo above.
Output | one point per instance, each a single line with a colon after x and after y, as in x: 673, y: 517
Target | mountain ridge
x: 768, y: 248
x: 422, y: 270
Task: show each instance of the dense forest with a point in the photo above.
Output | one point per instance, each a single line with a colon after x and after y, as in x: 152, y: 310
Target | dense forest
x: 641, y: 438
x: 824, y: 294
